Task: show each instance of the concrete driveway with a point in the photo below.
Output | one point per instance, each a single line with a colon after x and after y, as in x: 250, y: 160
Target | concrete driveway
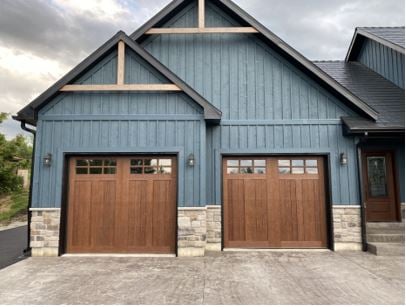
x: 221, y: 278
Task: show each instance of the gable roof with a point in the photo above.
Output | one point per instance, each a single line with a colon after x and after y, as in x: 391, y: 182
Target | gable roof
x: 375, y: 90
x: 305, y: 65
x: 392, y: 37
x: 29, y: 113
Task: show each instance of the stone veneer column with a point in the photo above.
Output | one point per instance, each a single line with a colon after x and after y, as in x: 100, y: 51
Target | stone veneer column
x: 192, y: 231
x: 347, y: 227
x: 44, y: 232
x: 213, y: 242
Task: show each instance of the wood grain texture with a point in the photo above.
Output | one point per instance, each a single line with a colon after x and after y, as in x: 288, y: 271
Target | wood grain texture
x: 218, y: 30
x: 202, y: 14
x: 121, y: 63
x: 380, y: 209
x: 119, y: 88
x: 275, y: 210
x: 122, y: 212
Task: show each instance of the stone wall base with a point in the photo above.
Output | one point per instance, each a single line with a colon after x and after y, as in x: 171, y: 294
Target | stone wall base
x: 348, y: 246
x: 44, y: 236
x: 347, y: 228
x: 199, y: 230
x: 44, y: 252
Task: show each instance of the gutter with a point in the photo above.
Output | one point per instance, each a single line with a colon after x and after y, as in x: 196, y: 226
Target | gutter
x: 27, y: 250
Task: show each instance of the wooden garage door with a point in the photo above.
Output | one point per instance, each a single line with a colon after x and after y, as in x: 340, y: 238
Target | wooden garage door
x: 276, y: 202
x: 121, y: 205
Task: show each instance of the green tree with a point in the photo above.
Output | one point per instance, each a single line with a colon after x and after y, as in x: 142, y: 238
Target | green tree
x: 14, y: 154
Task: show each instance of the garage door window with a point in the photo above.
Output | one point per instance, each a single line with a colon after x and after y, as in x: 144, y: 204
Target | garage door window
x: 244, y: 166
x: 96, y: 167
x: 298, y: 167
x: 151, y: 166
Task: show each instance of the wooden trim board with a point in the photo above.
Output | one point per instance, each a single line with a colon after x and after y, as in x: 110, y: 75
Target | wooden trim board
x: 121, y: 63
x: 201, y: 30
x: 119, y: 87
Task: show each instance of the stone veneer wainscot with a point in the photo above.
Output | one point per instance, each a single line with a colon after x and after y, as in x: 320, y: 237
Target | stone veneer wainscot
x: 45, y: 232
x: 347, y: 227
x: 199, y: 229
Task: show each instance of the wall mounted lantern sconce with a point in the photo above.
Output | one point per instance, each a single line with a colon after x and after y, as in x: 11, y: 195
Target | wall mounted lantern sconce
x: 343, y: 159
x: 191, y: 160
x: 47, y: 160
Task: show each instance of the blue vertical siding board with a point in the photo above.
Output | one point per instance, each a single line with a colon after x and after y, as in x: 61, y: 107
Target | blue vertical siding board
x: 105, y: 72
x: 277, y: 89
x: 270, y: 136
x: 260, y: 84
x: 268, y: 88
x: 261, y: 142
x: 383, y: 60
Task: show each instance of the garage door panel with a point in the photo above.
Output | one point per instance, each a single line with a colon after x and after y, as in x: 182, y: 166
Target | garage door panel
x: 104, y: 197
x: 280, y: 206
x: 81, y: 214
x: 256, y: 221
x: 236, y: 212
x: 122, y: 204
x: 137, y: 213
x: 162, y: 203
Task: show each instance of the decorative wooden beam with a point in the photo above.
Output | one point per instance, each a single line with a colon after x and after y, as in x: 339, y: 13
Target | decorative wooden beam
x: 120, y: 88
x: 121, y: 63
x: 201, y: 31
x: 202, y: 14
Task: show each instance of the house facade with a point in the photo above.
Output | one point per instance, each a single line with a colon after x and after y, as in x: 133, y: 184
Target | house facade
x: 205, y: 131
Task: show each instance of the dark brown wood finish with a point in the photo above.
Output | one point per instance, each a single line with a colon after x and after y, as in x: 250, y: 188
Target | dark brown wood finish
x: 379, y: 187
x: 122, y: 212
x: 282, y: 208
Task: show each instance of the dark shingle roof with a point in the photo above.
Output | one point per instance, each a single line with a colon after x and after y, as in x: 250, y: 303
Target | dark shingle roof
x: 394, y: 35
x: 380, y: 94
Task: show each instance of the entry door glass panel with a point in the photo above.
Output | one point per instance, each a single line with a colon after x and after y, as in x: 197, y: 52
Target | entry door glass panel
x: 377, y: 179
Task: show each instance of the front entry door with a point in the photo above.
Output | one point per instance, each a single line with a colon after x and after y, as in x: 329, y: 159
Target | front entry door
x: 379, y: 187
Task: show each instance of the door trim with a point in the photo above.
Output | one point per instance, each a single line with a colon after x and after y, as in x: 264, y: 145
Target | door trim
x: 65, y: 188
x: 326, y: 156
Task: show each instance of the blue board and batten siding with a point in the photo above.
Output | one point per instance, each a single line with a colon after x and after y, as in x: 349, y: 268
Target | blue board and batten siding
x: 120, y: 123
x: 383, y: 60
x: 269, y: 107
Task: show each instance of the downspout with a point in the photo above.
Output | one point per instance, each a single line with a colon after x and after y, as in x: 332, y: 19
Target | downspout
x: 27, y: 250
x: 362, y: 200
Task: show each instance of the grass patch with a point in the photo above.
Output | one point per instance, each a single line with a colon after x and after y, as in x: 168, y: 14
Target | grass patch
x: 13, y: 205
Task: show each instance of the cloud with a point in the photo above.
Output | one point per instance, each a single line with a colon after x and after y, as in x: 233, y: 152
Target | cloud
x: 40, y: 40
x: 322, y: 29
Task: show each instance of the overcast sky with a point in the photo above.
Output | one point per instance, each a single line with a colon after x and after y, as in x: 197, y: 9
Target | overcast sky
x: 41, y: 40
